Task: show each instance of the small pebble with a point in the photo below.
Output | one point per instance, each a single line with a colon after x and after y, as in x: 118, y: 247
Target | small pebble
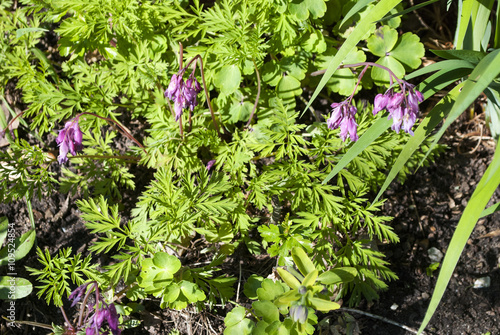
x: 435, y: 255
x: 482, y: 282
x: 394, y: 307
x: 425, y: 296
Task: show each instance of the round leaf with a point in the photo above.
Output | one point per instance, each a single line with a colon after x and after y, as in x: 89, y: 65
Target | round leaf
x: 382, y: 41
x: 228, y: 79
x: 409, y: 50
x: 380, y: 76
x: 14, y: 288
x: 166, y: 262
x: 288, y: 87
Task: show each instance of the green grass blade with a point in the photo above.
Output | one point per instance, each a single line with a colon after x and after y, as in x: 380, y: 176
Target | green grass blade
x: 483, y: 74
x: 364, y: 141
x: 490, y: 210
x: 482, y: 194
x: 481, y: 22
x: 408, y: 10
x: 446, y: 65
x: 424, y: 129
x: 378, y: 11
x: 463, y: 23
x: 496, y: 39
x: 356, y: 8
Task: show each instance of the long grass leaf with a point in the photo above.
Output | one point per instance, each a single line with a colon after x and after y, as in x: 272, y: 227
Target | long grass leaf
x: 463, y: 23
x: 482, y: 194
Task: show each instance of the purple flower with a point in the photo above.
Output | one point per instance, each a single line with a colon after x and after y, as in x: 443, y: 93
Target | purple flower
x: 77, y: 294
x: 183, y: 94
x: 210, y: 164
x: 380, y: 103
x: 343, y: 116
x: 69, y: 140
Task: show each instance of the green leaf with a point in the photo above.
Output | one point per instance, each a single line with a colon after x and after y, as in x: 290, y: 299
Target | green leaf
x: 382, y: 41
x: 470, y: 56
x: 409, y: 50
x: 310, y: 279
x: 253, y: 283
x: 267, y: 310
x: 364, y: 25
x: 484, y: 73
x: 22, y: 245
x: 240, y: 111
x: 236, y: 323
x: 12, y: 288
x: 4, y: 227
x: 381, y: 76
x: 192, y: 291
x: 478, y: 201
x: 426, y: 126
x: 271, y: 73
x: 338, y: 275
x: 228, y: 79
x: 171, y: 292
x: 23, y: 31
x: 364, y: 141
x: 314, y: 42
x: 288, y: 87
x: 322, y: 304
x: 358, y: 6
x: 168, y: 263
x: 270, y: 290
x: 303, y: 262
x: 288, y: 278
x: 407, y: 10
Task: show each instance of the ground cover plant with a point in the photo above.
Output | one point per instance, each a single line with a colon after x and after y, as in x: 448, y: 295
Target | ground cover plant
x: 265, y: 126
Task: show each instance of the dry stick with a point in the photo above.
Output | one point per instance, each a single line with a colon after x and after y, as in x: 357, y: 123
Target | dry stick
x: 258, y: 94
x: 381, y: 318
x: 239, y: 283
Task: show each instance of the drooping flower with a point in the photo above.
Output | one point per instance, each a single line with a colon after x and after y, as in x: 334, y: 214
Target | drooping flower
x: 343, y: 116
x: 402, y: 106
x: 69, y: 140
x: 183, y: 94
x: 298, y: 313
x: 210, y: 164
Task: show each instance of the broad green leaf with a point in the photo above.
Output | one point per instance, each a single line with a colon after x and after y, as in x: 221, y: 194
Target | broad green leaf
x: 314, y: 42
x: 228, y: 79
x: 253, y: 283
x: 303, y: 262
x: 484, y: 73
x: 376, y: 13
x: 171, y: 293
x: 191, y: 291
x: 323, y: 305
x: 490, y: 210
x: 382, y: 41
x: 288, y: 278
x: 4, y: 227
x: 426, y: 126
x: 12, y: 288
x: 409, y: 50
x: 267, y: 310
x: 22, y: 245
x: 310, y: 279
x: 271, y: 73
x: 317, y: 8
x: 288, y: 87
x: 269, y: 290
x: 478, y: 201
x: 168, y: 263
x: 236, y: 323
x: 381, y: 76
x: 463, y: 23
x: 338, y: 275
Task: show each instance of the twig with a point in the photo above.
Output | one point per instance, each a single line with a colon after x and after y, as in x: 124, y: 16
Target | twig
x: 239, y: 284
x: 381, y: 318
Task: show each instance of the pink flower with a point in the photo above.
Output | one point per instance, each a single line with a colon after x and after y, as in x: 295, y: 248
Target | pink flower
x: 69, y: 140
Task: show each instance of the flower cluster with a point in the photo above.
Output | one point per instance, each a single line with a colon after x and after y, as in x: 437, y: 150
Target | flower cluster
x: 69, y: 140
x: 183, y: 94
x: 94, y: 323
x: 343, y: 116
x: 402, y: 106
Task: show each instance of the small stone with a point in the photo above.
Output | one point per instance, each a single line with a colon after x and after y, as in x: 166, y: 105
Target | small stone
x: 435, y: 255
x: 425, y: 296
x: 394, y: 307
x: 482, y: 282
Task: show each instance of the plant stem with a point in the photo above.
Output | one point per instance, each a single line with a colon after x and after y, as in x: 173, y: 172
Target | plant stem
x: 66, y: 319
x: 258, y: 94
x: 30, y: 210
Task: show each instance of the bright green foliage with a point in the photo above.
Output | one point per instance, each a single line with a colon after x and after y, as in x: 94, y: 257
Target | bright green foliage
x: 265, y: 190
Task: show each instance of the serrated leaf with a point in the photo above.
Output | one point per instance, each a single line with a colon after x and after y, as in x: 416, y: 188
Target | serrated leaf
x: 22, y: 245
x: 269, y: 290
x: 314, y: 42
x: 317, y: 8
x: 409, y: 50
x: 228, y: 79
x: 240, y: 111
x: 22, y: 288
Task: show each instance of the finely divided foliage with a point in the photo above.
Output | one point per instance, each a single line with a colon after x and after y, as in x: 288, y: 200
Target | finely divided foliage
x: 207, y: 97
